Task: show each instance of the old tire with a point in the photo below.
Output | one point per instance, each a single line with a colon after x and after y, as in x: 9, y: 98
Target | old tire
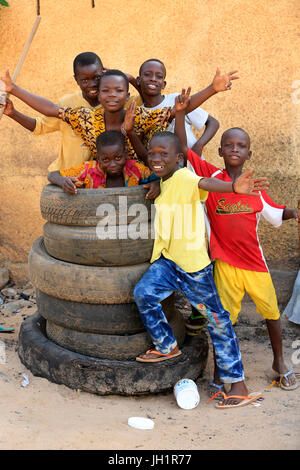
x: 82, y: 245
x: 104, y: 377
x: 119, y: 347
x: 82, y: 209
x: 106, y: 319
x: 79, y: 283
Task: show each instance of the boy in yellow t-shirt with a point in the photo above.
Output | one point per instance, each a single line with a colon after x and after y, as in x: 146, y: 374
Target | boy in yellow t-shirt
x: 180, y: 262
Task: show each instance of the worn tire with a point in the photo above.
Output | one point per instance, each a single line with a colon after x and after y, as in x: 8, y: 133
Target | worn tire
x: 65, y: 209
x: 82, y: 245
x: 106, y: 319
x: 79, y: 283
x: 119, y: 347
x: 104, y: 377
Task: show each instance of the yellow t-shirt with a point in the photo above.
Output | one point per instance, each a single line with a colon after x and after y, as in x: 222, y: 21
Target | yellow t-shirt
x: 73, y: 151
x: 179, y: 222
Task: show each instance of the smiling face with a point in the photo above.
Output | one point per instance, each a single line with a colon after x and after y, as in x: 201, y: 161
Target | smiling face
x: 235, y: 148
x: 113, y: 92
x: 164, y: 156
x: 88, y: 78
x: 152, y: 78
x: 111, y: 159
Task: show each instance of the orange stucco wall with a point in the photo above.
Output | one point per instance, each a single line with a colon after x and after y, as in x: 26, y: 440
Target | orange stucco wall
x: 192, y: 37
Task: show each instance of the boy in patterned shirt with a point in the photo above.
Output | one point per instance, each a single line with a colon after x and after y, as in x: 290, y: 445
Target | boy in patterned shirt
x: 110, y: 169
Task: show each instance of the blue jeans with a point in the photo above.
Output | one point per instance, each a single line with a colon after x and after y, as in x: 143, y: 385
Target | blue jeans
x: 161, y: 280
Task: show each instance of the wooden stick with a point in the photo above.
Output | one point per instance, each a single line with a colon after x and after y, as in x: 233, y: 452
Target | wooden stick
x: 24, y: 53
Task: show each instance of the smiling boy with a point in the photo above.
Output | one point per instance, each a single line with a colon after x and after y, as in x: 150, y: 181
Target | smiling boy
x: 87, y: 68
x: 180, y: 262
x: 240, y: 265
x: 151, y: 82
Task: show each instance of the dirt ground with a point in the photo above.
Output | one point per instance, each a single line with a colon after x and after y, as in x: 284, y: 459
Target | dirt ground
x: 43, y: 415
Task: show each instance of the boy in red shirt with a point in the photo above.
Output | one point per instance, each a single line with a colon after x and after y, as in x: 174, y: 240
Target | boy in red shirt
x: 234, y: 246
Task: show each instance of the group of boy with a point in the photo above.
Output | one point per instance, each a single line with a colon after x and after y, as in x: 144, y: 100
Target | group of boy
x: 109, y: 141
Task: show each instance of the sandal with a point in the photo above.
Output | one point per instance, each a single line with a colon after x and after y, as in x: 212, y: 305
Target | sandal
x: 159, y: 356
x: 213, y: 388
x: 245, y: 400
x: 282, y: 381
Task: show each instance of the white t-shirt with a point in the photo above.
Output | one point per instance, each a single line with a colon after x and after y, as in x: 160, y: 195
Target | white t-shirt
x: 196, y: 118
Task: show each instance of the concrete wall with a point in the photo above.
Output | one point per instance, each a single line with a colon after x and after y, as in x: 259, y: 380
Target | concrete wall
x: 192, y: 37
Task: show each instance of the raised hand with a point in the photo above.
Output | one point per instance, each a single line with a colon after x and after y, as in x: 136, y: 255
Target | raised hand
x: 246, y: 185
x: 183, y: 100
x: 223, y: 82
x: 7, y: 81
x: 128, y: 123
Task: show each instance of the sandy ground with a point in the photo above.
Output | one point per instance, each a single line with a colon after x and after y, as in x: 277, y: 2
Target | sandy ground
x: 44, y: 415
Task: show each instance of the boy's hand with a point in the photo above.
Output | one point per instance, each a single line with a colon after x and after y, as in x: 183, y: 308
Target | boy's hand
x: 9, y: 107
x: 129, y: 119
x: 154, y: 189
x: 182, y: 101
x: 7, y: 81
x: 246, y: 185
x: 68, y: 185
x: 223, y: 82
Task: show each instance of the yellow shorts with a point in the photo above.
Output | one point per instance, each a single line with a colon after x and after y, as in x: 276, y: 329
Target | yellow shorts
x: 232, y: 282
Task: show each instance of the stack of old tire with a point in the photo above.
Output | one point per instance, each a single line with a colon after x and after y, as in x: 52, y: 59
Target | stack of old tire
x: 87, y: 330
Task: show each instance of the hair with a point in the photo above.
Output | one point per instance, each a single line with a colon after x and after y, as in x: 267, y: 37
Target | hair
x: 110, y: 138
x: 153, y: 60
x: 171, y: 136
x: 86, y: 58
x: 115, y: 72
x: 234, y: 129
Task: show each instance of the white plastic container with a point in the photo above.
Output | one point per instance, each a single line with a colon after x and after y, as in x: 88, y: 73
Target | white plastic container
x: 186, y: 394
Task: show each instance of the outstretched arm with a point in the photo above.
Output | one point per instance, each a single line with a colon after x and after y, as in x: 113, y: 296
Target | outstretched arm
x: 127, y: 129
x: 211, y: 127
x: 219, y: 83
x: 25, y: 121
x: 290, y: 214
x: 181, y: 104
x: 242, y: 185
x: 36, y: 102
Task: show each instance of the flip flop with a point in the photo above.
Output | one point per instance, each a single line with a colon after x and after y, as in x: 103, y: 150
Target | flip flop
x: 278, y: 381
x: 212, y: 390
x: 245, y: 400
x: 6, y: 330
x: 160, y: 356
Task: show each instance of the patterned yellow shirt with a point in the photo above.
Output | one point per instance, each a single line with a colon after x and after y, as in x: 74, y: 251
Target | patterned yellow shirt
x: 89, y: 123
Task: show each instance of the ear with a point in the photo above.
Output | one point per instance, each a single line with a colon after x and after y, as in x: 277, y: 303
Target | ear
x: 220, y: 152
x: 249, y: 155
x: 128, y: 96
x: 164, y: 85
x: 138, y: 81
x: 75, y: 79
x: 179, y: 157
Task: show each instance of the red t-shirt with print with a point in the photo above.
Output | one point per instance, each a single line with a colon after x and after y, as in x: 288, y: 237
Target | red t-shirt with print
x: 233, y: 219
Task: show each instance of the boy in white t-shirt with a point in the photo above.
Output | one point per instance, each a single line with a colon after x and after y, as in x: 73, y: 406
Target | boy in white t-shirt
x: 151, y: 83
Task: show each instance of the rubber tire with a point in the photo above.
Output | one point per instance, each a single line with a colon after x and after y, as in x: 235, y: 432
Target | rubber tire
x: 115, y: 319
x: 79, y: 283
x: 119, y: 347
x: 103, y: 377
x: 81, y: 245
x: 59, y: 207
